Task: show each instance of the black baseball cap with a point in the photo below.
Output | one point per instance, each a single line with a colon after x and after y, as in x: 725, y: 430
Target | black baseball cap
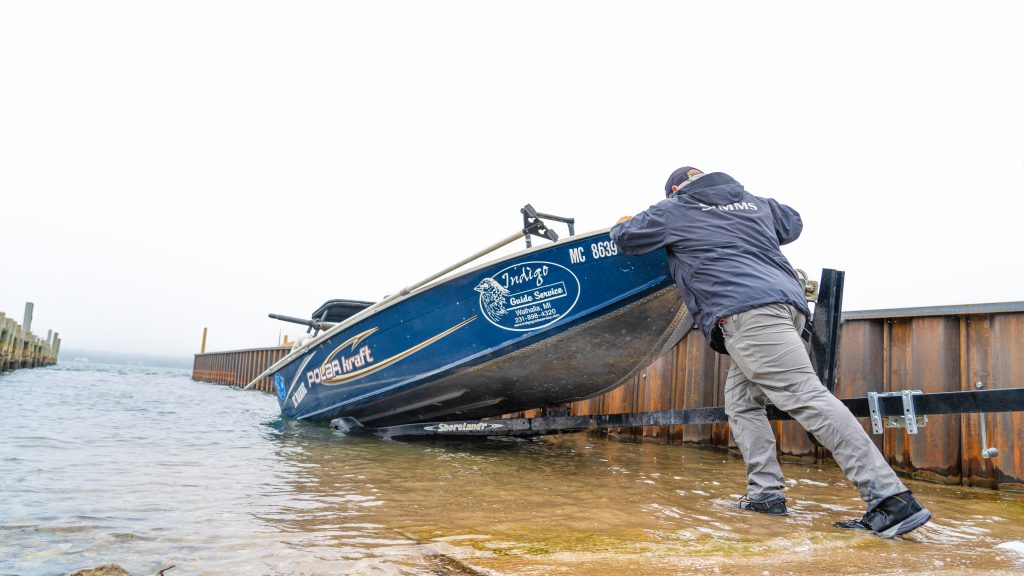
x: 677, y: 178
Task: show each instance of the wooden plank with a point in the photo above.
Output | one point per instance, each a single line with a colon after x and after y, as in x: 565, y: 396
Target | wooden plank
x: 696, y: 386
x: 861, y: 363
x: 993, y: 357
x: 655, y: 393
x: 935, y: 357
x: 924, y: 355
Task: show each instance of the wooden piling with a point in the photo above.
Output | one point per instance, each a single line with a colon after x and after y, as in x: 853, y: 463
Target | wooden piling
x: 19, y: 348
x: 4, y: 329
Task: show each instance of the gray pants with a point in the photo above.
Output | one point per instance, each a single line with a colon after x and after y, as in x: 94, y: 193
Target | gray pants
x: 770, y: 364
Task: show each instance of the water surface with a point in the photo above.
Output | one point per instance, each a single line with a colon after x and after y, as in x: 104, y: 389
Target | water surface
x: 147, y: 469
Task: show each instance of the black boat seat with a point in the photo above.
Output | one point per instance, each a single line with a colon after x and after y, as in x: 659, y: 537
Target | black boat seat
x: 339, y: 310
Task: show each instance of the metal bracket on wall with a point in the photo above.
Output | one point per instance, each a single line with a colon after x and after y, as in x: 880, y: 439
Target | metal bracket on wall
x: 986, y: 452
x: 810, y: 286
x: 910, y: 420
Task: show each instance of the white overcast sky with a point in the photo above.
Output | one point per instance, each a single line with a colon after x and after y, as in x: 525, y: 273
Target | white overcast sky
x: 166, y: 166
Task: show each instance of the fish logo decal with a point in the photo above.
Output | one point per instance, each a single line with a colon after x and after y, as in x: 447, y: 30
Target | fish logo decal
x: 528, y: 295
x: 492, y: 297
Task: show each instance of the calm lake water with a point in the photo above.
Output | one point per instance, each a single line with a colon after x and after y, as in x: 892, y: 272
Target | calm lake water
x: 147, y: 469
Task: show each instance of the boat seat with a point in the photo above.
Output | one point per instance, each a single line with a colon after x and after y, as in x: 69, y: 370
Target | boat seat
x: 335, y: 311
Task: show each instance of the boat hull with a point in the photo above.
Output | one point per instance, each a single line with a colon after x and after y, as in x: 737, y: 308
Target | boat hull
x: 558, y: 323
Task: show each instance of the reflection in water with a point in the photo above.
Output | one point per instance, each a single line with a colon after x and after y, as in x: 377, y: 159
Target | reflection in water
x: 147, y: 469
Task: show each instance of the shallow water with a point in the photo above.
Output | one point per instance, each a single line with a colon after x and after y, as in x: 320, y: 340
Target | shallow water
x: 147, y: 469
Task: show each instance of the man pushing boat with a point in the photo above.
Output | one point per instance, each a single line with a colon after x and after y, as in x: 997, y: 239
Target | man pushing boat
x: 723, y: 251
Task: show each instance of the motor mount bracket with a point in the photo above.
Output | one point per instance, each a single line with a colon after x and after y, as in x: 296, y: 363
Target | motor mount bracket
x: 533, y: 223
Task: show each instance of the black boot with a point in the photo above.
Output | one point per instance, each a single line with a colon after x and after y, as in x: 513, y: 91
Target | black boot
x: 775, y: 506
x: 896, y: 515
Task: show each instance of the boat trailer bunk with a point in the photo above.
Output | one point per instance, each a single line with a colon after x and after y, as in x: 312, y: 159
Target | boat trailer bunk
x: 907, y: 409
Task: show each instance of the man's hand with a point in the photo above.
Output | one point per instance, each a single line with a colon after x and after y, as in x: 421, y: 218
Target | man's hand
x: 623, y: 219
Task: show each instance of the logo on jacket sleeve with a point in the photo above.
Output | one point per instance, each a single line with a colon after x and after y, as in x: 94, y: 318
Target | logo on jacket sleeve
x: 528, y: 295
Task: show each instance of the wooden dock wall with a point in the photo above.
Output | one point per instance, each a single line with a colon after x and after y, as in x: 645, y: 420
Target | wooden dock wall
x: 929, y: 349
x: 238, y: 367
x: 19, y: 348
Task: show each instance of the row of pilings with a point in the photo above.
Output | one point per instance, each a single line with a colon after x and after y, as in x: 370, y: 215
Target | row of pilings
x: 19, y: 348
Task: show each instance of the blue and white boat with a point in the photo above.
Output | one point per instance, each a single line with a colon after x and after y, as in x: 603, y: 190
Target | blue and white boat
x: 552, y: 324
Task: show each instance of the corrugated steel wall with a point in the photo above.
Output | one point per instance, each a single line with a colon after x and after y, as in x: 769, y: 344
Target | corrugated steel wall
x: 238, y: 367
x: 933, y: 351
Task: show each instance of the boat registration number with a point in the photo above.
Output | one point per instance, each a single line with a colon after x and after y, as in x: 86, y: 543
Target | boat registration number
x: 604, y: 249
x: 601, y: 249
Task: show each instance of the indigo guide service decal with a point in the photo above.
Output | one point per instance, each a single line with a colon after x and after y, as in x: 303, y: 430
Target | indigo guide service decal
x: 528, y: 295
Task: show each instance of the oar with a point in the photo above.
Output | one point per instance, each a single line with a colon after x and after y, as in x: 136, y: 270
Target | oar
x: 371, y: 309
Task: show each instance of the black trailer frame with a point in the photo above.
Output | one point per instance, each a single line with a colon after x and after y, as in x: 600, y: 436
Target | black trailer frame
x: 905, y: 409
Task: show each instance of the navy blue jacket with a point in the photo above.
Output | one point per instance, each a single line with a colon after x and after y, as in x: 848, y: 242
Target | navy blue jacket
x: 723, y: 247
